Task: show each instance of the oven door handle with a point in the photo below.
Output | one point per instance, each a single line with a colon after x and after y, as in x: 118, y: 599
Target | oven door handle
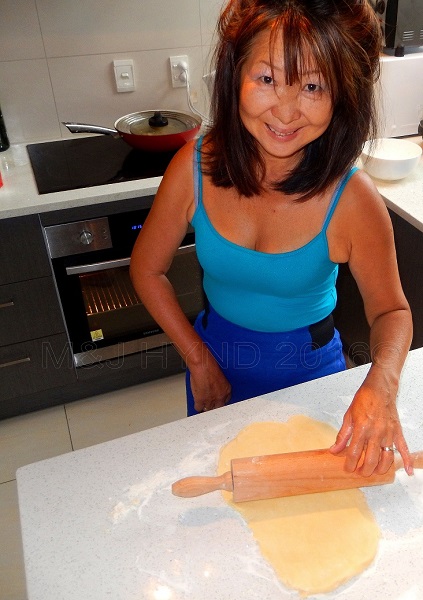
x: 112, y: 264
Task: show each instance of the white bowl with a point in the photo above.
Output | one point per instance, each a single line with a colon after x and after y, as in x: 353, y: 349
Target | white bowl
x: 390, y: 158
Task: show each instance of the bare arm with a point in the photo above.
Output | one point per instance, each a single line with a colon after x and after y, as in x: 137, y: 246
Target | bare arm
x: 371, y: 422
x: 156, y: 245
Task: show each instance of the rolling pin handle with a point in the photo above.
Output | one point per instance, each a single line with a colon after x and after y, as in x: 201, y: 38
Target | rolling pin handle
x: 197, y: 486
x: 416, y: 460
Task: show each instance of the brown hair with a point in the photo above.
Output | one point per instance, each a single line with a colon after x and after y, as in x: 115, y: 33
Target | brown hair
x: 344, y: 40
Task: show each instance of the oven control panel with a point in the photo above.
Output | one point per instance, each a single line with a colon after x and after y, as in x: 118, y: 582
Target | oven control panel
x: 79, y: 237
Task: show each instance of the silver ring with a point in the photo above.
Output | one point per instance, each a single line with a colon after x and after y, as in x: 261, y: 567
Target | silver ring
x: 388, y: 448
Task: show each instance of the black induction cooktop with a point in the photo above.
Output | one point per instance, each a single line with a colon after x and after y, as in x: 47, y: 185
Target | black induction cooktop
x: 85, y: 162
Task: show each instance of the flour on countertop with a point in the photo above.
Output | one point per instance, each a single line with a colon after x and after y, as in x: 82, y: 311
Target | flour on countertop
x: 138, y: 495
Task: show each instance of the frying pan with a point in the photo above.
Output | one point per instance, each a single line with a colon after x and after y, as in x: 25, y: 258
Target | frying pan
x: 149, y: 130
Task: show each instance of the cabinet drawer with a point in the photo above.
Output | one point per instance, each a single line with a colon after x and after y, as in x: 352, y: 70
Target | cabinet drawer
x: 29, y: 310
x: 35, y: 366
x: 23, y: 253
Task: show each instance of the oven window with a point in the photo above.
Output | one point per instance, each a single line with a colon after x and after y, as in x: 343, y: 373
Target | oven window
x: 112, y: 306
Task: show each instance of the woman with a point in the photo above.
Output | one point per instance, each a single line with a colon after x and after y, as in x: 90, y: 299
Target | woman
x: 276, y: 205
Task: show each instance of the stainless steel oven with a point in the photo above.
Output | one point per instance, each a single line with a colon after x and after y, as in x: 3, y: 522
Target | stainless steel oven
x: 104, y: 317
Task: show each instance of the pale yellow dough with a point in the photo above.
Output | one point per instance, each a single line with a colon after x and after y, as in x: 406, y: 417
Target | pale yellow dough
x: 314, y: 542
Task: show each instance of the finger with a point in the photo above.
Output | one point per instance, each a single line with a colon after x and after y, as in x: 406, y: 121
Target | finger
x: 377, y: 459
x: 371, y: 459
x: 354, y: 453
x: 342, y: 438
x: 202, y: 406
x: 386, y: 459
x: 402, y: 448
x: 226, y: 399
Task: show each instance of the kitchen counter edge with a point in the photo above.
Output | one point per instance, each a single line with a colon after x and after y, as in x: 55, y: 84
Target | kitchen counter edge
x: 19, y: 195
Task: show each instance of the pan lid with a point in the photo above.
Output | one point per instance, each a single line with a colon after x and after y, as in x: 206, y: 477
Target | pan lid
x: 154, y: 123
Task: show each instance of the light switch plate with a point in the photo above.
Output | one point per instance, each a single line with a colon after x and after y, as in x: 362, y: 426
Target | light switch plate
x: 124, y: 75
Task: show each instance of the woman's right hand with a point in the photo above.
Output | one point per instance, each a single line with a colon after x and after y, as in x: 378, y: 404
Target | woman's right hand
x: 209, y: 386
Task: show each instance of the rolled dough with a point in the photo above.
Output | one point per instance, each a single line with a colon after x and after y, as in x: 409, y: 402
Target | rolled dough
x: 314, y: 542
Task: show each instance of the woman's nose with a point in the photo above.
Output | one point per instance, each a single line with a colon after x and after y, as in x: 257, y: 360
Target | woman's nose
x: 286, y: 107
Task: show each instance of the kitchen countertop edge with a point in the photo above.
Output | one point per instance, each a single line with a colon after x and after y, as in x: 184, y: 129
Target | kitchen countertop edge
x: 19, y: 195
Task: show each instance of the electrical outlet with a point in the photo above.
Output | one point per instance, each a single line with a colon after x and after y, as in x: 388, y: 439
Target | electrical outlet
x: 124, y: 75
x: 179, y: 70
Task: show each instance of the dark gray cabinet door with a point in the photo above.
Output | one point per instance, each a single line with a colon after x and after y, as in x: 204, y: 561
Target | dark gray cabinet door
x: 23, y: 254
x: 349, y: 315
x: 409, y: 245
x: 29, y: 310
x: 33, y: 366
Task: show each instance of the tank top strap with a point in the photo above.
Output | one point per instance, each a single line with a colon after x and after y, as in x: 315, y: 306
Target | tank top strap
x: 198, y: 180
x: 336, y: 196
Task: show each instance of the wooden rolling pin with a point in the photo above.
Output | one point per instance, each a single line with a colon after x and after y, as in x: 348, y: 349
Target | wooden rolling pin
x: 289, y: 474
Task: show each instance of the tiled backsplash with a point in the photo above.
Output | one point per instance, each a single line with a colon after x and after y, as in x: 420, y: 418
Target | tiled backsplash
x: 56, y: 60
x: 56, y: 63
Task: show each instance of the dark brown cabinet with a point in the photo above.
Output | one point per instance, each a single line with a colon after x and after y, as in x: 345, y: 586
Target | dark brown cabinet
x: 349, y: 313
x: 29, y: 310
x: 31, y: 367
x: 33, y: 342
x: 409, y: 244
x: 350, y: 319
x: 22, y: 250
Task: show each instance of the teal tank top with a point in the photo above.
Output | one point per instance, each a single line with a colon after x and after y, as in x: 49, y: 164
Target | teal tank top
x: 262, y: 291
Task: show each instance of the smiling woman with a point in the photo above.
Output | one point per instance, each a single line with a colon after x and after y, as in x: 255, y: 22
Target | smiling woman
x: 283, y: 118
x: 276, y: 203
x: 340, y: 41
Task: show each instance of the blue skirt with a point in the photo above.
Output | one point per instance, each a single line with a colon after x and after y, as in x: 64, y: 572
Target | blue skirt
x: 257, y: 363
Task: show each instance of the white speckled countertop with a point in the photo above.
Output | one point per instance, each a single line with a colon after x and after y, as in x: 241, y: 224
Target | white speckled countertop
x: 19, y: 195
x: 102, y: 522
x: 405, y: 197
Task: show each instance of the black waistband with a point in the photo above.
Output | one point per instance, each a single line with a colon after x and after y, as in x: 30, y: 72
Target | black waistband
x: 322, y: 332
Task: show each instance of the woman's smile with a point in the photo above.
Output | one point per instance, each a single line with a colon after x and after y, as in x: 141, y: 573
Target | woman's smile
x: 282, y: 134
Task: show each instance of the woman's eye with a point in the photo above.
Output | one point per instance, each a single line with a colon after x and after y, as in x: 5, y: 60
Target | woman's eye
x: 267, y: 79
x: 312, y: 87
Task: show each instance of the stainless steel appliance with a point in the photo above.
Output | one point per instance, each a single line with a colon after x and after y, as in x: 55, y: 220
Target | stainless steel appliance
x: 90, y: 250
x: 104, y: 317
x: 401, y: 22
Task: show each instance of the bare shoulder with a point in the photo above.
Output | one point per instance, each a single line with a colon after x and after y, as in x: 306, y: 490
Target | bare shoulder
x: 175, y: 195
x: 361, y: 197
x: 361, y: 219
x: 178, y: 177
x: 182, y: 161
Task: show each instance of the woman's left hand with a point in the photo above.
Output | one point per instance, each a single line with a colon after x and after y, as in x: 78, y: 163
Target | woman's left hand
x: 371, y: 425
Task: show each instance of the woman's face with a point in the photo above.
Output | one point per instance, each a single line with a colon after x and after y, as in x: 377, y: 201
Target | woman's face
x: 282, y: 118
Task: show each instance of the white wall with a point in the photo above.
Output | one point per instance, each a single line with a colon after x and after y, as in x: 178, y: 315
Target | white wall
x: 56, y: 63
x: 56, y: 60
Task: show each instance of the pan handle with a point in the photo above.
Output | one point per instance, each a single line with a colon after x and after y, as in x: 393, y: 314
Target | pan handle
x: 84, y: 128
